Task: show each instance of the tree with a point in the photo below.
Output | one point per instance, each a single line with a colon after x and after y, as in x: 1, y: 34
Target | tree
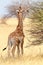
x: 12, y: 9
x: 15, y: 6
x: 36, y: 14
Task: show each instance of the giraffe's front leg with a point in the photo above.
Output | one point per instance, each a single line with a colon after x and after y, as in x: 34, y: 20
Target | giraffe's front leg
x: 18, y: 50
x: 22, y: 46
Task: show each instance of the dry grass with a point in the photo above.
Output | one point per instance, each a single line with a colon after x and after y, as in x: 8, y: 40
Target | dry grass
x: 32, y: 55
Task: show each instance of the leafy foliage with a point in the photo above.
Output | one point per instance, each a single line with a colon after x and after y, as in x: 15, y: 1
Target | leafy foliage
x: 36, y: 31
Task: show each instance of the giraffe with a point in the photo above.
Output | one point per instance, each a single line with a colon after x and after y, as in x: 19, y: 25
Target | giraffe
x: 16, y: 38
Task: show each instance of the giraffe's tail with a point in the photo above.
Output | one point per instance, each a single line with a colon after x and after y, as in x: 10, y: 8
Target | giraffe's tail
x: 5, y: 48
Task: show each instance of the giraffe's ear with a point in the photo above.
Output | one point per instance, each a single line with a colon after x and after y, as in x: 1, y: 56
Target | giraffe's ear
x: 17, y: 10
x: 27, y: 10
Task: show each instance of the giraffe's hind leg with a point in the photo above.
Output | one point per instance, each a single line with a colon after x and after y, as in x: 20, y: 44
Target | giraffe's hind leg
x: 12, y: 51
x: 8, y: 51
x: 9, y: 47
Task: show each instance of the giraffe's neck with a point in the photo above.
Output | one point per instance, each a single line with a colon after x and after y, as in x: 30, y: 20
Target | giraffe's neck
x: 20, y: 21
x: 20, y: 25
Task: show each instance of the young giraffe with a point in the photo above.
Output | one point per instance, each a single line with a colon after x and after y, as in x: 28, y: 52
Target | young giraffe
x: 16, y: 38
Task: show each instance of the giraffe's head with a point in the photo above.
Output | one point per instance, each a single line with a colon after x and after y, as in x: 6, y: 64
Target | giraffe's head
x: 20, y: 8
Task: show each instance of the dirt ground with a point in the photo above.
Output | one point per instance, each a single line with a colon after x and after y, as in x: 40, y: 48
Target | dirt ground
x: 32, y: 55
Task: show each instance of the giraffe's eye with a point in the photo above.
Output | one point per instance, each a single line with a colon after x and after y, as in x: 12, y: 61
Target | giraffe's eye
x: 18, y: 12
